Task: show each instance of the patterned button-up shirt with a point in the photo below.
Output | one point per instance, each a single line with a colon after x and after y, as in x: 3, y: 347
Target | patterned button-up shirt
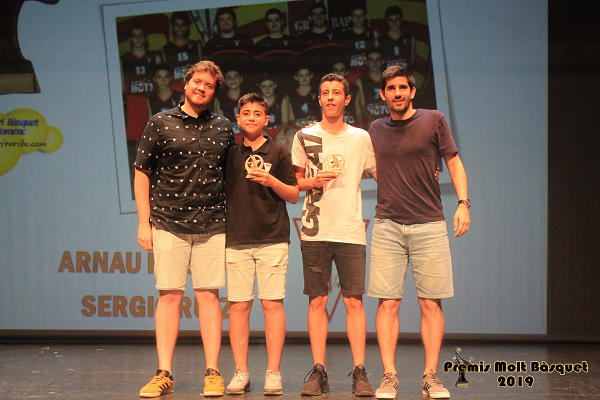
x: 187, y: 158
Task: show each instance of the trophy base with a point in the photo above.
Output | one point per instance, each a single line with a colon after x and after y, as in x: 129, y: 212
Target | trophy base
x: 19, y: 83
x: 462, y: 384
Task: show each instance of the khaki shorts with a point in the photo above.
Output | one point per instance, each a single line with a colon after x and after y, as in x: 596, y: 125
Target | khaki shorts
x: 174, y: 254
x: 267, y: 262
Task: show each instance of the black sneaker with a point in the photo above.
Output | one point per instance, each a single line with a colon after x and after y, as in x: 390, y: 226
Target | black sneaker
x: 360, y: 383
x: 317, y: 382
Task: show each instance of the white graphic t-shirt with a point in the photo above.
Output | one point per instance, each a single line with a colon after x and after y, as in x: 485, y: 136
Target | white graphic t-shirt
x: 334, y: 212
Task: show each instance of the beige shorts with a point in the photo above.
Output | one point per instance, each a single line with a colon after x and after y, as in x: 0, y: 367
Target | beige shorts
x: 174, y: 254
x: 267, y: 262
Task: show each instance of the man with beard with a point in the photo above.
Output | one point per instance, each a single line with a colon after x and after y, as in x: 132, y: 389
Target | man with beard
x: 409, y: 223
x: 180, y: 198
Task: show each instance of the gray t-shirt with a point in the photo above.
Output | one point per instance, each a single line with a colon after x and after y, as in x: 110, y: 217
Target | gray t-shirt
x: 407, y: 152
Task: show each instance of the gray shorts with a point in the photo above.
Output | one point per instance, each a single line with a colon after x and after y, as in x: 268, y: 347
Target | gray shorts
x: 350, y: 260
x: 174, y: 254
x: 427, y: 248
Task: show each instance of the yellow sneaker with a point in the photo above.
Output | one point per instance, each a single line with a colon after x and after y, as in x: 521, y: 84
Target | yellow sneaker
x: 213, y: 383
x: 162, y: 383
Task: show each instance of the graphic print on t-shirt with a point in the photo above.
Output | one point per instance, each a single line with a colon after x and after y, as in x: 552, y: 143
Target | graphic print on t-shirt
x: 313, y: 147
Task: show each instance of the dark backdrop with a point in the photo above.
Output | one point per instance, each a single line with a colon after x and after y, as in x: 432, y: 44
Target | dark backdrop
x: 573, y: 176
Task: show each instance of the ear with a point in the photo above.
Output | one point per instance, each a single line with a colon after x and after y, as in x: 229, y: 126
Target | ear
x: 238, y: 118
x: 267, y: 118
x: 382, y: 94
x: 347, y: 100
x: 413, y: 92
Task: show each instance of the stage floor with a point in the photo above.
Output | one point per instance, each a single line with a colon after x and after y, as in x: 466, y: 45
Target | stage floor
x: 118, y: 371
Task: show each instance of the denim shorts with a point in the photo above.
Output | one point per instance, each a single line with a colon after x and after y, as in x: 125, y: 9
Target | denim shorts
x: 425, y: 246
x: 174, y: 254
x: 268, y: 262
x: 350, y: 260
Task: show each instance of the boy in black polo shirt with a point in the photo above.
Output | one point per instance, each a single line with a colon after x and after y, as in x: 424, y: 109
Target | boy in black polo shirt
x: 260, y: 178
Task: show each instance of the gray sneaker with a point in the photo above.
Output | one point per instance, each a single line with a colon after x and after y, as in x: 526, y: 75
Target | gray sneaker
x: 240, y: 383
x: 433, y: 387
x: 272, y: 383
x: 360, y: 383
x: 388, y: 387
x: 317, y: 382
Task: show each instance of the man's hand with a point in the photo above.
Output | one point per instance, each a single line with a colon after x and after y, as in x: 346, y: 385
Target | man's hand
x: 462, y: 220
x: 323, y: 177
x: 145, y: 236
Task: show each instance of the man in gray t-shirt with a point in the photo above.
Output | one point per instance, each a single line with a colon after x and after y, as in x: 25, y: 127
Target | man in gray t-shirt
x: 410, y: 225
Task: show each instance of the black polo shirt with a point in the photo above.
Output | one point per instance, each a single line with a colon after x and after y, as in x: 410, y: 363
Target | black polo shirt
x: 187, y: 158
x: 255, y: 213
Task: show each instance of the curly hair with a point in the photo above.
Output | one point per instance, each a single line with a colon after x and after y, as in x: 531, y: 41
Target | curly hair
x: 206, y: 66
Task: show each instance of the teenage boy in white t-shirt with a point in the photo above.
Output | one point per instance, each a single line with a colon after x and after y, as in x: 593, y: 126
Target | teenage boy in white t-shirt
x: 329, y: 159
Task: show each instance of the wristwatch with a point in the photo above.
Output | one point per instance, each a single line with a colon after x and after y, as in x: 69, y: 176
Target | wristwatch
x: 466, y: 202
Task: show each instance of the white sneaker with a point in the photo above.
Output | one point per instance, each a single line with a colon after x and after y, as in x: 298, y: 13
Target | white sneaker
x: 240, y: 383
x: 273, y: 383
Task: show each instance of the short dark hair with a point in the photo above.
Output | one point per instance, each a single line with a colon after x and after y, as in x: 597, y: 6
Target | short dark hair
x: 314, y: 6
x: 276, y: 11
x: 335, y: 78
x: 265, y: 76
x: 206, y: 66
x: 303, y: 66
x: 138, y: 27
x: 229, y: 69
x: 163, y: 67
x: 359, y: 6
x: 253, y: 98
x: 395, y: 71
x: 183, y: 15
x: 273, y: 11
x: 394, y: 10
x: 371, y: 50
x: 223, y: 11
x: 340, y: 61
